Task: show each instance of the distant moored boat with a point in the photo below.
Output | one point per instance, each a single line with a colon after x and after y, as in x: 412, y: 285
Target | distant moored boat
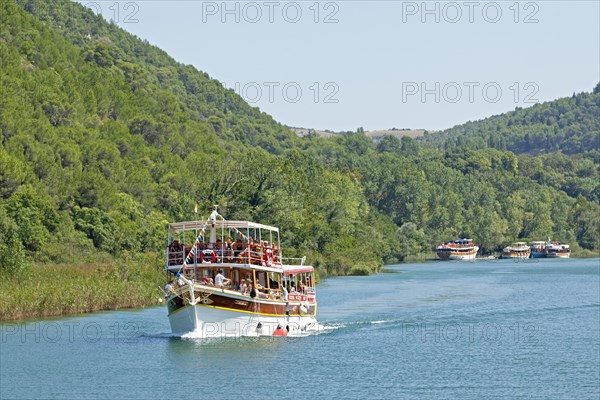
x: 460, y: 249
x: 557, y: 250
x: 516, y: 250
x: 538, y: 249
x: 549, y: 249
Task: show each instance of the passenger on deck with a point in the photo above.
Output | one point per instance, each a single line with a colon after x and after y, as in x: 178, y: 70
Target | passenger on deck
x: 227, y: 251
x: 238, y: 246
x: 219, y: 247
x: 267, y: 254
x: 285, y: 293
x: 220, y: 280
x: 300, y: 287
x: 168, y: 289
x: 254, y: 256
x: 208, y: 281
x: 175, y: 246
x: 243, y: 287
x: 243, y: 257
x: 261, y: 291
x: 175, y: 253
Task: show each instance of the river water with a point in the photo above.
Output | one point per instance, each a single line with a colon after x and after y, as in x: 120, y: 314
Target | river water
x: 471, y: 330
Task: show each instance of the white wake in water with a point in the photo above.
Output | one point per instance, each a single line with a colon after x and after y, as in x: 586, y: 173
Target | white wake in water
x: 311, y: 329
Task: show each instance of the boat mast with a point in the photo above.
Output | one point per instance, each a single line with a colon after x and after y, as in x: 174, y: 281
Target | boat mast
x: 213, y: 231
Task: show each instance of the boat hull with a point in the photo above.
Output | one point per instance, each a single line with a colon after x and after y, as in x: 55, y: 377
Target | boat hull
x: 558, y: 255
x: 213, y: 322
x: 463, y: 257
x: 513, y: 255
x: 446, y: 255
x: 218, y: 312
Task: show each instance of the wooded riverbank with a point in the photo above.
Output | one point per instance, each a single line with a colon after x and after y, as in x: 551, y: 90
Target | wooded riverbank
x: 53, y: 290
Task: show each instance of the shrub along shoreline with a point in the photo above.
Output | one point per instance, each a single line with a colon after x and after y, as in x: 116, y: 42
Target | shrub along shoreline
x: 49, y: 290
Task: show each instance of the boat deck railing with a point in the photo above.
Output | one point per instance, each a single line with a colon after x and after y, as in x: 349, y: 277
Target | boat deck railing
x: 293, y: 260
x: 219, y: 252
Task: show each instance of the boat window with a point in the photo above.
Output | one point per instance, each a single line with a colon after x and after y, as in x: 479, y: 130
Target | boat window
x: 273, y: 281
x: 261, y: 278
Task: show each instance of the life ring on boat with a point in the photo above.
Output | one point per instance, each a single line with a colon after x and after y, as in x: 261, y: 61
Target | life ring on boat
x: 208, y: 256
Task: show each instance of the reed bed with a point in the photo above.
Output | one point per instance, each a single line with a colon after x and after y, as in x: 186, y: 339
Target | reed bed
x: 53, y: 290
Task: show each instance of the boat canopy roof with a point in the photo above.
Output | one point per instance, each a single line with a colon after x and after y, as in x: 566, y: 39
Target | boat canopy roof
x: 195, y: 225
x: 296, y: 269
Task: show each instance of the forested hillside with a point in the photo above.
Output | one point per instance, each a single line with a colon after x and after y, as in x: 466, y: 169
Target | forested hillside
x: 105, y: 138
x: 570, y: 125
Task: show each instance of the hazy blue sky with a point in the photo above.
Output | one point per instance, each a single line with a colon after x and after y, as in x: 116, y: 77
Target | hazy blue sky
x: 378, y: 64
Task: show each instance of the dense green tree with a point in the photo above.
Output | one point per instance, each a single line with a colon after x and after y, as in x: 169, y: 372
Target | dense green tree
x: 13, y: 258
x: 412, y: 240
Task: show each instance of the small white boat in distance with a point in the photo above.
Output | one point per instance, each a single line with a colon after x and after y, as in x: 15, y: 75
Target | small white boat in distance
x: 550, y: 249
x: 557, y: 250
x: 460, y: 249
x: 516, y: 250
x: 228, y: 278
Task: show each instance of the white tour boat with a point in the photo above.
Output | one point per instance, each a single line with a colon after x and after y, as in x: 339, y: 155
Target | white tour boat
x: 460, y: 249
x: 228, y: 278
x: 516, y: 250
x: 557, y: 250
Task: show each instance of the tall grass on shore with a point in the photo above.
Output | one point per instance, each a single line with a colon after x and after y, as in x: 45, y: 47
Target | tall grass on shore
x: 45, y: 290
